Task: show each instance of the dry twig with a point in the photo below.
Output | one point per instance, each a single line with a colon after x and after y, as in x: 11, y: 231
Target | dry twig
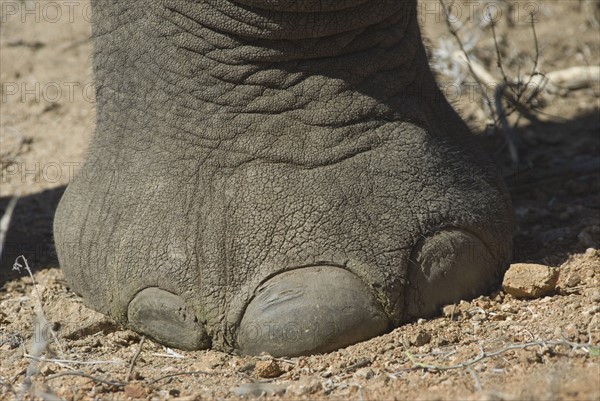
x: 466, y: 56
x: 484, y: 355
x: 94, y: 378
x: 134, y: 359
x: 42, y: 317
x: 38, y: 347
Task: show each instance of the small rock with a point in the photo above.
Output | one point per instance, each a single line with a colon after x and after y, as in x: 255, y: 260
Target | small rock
x: 364, y: 373
x: 124, y: 338
x: 482, y: 302
x: 595, y: 295
x: 268, y: 369
x: 573, y: 281
x: 247, y: 367
x: 452, y: 312
x: 529, y: 280
x: 305, y: 386
x: 446, y: 338
x: 456, y: 311
x: 420, y: 338
x: 135, y: 390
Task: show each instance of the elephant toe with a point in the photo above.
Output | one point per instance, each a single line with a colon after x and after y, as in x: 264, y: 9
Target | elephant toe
x: 165, y: 317
x: 310, y: 310
x: 447, y: 267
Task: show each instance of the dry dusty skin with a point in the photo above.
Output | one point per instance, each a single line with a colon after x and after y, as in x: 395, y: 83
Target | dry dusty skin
x: 492, y: 348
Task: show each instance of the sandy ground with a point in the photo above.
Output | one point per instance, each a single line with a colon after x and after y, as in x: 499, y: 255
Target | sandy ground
x: 495, y: 347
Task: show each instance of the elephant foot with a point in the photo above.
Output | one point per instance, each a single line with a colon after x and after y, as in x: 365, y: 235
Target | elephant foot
x: 291, y: 182
x: 164, y: 317
x: 310, y: 310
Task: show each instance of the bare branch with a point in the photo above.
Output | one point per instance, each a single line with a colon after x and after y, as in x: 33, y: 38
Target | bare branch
x: 94, y: 378
x: 484, y: 355
x: 134, y: 359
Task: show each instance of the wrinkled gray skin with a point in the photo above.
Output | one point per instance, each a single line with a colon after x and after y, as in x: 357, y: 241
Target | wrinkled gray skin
x: 275, y: 175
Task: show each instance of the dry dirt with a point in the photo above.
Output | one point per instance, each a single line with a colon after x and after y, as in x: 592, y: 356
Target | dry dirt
x: 495, y: 347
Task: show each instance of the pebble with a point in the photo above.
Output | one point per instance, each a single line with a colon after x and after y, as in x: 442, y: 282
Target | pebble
x: 364, y: 373
x: 456, y: 311
x: 451, y: 311
x: 529, y: 280
x: 420, y: 338
x: 573, y: 281
x: 268, y: 369
x: 247, y: 367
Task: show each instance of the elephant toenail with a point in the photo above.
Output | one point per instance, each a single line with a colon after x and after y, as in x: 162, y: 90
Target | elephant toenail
x: 165, y: 317
x: 447, y: 267
x: 310, y: 310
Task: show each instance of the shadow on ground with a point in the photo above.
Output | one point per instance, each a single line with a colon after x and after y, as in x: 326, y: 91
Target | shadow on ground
x: 555, y: 188
x: 30, y: 232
